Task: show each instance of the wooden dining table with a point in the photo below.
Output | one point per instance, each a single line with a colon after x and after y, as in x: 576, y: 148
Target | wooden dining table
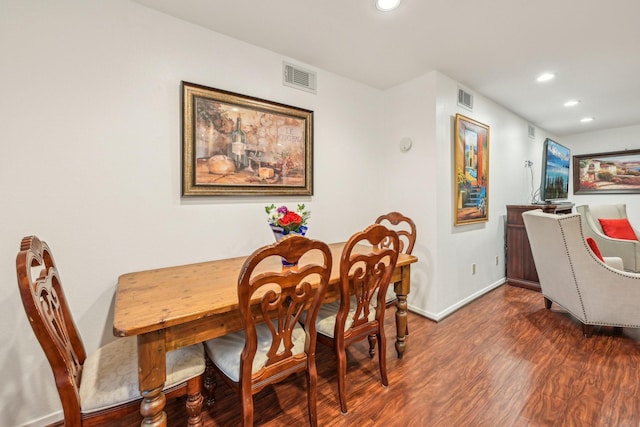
x: 173, y: 307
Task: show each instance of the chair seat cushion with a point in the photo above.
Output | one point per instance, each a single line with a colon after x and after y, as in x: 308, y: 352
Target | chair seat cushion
x: 326, y: 321
x: 225, y: 351
x: 618, y: 228
x: 110, y: 374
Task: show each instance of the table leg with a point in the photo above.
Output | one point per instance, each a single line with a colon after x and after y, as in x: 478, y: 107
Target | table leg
x: 152, y: 371
x: 402, y: 289
x: 401, y: 324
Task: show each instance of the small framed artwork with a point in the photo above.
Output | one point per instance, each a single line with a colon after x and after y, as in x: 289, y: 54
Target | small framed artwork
x: 235, y: 144
x: 471, y: 166
x: 615, y: 172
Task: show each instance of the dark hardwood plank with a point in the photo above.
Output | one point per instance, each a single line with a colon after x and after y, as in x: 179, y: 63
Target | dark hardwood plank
x: 501, y: 360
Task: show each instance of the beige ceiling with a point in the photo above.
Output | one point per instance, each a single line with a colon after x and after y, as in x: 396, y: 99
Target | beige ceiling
x: 493, y: 47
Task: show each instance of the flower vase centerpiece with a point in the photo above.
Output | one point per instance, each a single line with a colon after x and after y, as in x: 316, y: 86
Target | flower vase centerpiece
x: 284, y: 222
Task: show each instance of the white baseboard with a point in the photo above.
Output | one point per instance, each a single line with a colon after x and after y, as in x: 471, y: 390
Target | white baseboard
x: 436, y: 317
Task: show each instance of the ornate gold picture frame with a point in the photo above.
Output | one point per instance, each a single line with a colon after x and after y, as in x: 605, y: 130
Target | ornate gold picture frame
x: 235, y: 144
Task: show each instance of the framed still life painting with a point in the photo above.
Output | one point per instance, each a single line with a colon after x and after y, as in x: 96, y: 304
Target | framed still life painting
x: 235, y: 144
x: 471, y: 166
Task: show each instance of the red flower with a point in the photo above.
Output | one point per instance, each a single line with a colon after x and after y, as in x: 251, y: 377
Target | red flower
x: 290, y: 218
x: 287, y: 220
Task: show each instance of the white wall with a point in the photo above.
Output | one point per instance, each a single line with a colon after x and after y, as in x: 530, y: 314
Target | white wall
x: 411, y: 187
x: 618, y: 139
x: 425, y: 109
x: 91, y: 143
x: 509, y: 183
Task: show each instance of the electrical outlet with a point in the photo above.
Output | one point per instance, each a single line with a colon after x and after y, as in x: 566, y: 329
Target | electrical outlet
x: 528, y: 163
x: 473, y: 268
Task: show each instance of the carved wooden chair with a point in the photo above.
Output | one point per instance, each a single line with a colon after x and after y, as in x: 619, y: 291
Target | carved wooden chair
x: 406, y: 230
x: 265, y: 353
x: 366, y: 266
x: 101, y: 387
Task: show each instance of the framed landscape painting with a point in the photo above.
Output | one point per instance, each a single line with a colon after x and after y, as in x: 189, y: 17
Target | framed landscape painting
x: 471, y: 165
x: 235, y: 144
x: 615, y: 172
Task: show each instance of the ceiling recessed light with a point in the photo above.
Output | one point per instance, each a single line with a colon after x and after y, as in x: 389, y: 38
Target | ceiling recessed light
x: 586, y: 120
x: 572, y: 103
x: 545, y: 77
x: 387, y: 5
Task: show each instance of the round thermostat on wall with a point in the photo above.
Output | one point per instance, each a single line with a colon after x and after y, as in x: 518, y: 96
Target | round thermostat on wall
x: 405, y: 144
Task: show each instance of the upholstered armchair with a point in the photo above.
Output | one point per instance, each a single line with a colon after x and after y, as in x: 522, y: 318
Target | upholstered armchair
x: 572, y: 275
x: 628, y: 250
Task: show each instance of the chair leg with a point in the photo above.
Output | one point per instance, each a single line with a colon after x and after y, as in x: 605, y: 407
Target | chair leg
x: 372, y: 345
x: 547, y: 303
x: 209, y: 384
x: 382, y: 357
x: 587, y: 330
x: 246, y: 401
x: 312, y: 391
x: 341, y: 355
x: 194, y: 402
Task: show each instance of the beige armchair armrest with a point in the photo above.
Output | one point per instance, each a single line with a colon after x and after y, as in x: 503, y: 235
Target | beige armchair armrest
x: 614, y: 262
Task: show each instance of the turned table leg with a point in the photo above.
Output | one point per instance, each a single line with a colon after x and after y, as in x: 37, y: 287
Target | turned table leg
x: 402, y: 288
x: 152, y: 371
x: 401, y: 324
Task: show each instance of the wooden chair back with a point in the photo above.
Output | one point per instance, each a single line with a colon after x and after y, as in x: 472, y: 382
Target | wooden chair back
x: 283, y: 295
x: 365, y: 274
x: 48, y: 312
x: 280, y: 295
x: 404, y: 226
x: 406, y: 230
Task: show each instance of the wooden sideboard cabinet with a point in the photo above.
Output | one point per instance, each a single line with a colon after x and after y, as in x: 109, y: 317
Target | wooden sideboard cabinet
x: 521, y: 270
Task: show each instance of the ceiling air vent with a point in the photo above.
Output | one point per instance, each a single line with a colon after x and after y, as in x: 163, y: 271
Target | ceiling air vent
x: 532, y: 132
x: 465, y: 99
x: 299, y: 78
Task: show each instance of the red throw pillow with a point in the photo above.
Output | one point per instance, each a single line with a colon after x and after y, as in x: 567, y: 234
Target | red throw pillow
x: 618, y: 228
x: 594, y: 247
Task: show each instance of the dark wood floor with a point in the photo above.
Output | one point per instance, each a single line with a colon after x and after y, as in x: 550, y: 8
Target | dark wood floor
x: 502, y: 360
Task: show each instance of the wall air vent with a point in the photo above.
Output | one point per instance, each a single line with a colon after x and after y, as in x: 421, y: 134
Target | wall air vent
x: 532, y: 132
x: 299, y: 78
x: 465, y: 99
